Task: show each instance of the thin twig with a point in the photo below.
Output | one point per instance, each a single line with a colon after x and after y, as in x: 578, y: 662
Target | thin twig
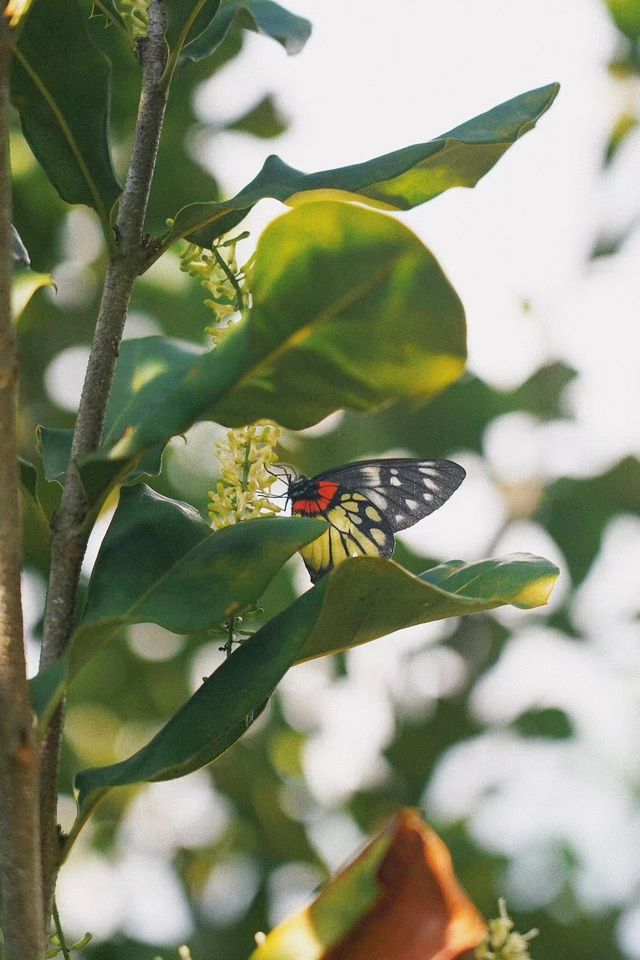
x: 70, y: 533
x: 230, y: 275
x: 22, y: 922
x: 64, y: 949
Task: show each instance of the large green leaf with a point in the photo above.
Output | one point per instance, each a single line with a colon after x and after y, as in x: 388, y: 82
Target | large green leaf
x: 218, y: 713
x: 454, y: 420
x: 60, y: 87
x: 399, y: 180
x: 360, y: 600
x: 349, y: 310
x: 260, y: 16
x: 367, y: 598
x: 161, y: 563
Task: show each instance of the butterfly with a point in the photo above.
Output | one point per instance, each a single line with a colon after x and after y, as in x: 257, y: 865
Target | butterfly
x: 365, y: 503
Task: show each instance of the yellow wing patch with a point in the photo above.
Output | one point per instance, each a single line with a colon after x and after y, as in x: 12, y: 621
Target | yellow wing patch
x: 356, y: 531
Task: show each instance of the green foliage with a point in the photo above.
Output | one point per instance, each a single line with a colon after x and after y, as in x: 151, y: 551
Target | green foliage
x: 576, y: 511
x: 348, y: 310
x: 218, y: 713
x: 360, y: 600
x: 306, y: 349
x: 68, y: 133
x: 159, y: 560
x: 187, y: 19
x: 259, y: 16
x: 368, y: 598
x: 262, y: 120
x: 25, y: 286
x: 399, y: 180
x: 626, y: 16
x: 109, y: 10
x: 548, y: 722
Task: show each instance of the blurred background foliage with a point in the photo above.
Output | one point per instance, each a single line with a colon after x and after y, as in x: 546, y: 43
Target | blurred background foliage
x: 513, y: 732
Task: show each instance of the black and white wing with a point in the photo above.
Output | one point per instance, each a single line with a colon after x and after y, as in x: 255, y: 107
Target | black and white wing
x: 402, y: 490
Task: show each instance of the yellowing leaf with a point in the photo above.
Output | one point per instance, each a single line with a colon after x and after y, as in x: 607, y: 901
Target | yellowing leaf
x: 399, y: 900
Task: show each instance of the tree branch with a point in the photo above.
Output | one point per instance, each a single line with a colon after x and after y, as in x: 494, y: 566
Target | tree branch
x: 69, y: 534
x: 19, y: 821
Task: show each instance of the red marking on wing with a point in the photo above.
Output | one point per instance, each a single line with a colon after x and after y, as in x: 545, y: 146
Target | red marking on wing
x: 306, y: 506
x: 325, y: 492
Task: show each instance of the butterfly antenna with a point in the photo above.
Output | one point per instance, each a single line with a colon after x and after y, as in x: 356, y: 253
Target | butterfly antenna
x: 285, y: 477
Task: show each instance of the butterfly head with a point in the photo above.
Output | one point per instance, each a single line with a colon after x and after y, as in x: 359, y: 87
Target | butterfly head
x: 297, y: 486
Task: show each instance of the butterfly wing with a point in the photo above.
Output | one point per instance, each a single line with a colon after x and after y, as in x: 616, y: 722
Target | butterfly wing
x: 402, y: 490
x: 366, y: 502
x: 356, y: 529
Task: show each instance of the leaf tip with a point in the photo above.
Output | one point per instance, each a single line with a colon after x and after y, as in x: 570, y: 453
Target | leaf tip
x: 537, y: 592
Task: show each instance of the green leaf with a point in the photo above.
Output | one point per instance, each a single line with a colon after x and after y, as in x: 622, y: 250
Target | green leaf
x: 626, y: 16
x: 47, y: 689
x: 549, y: 723
x: 147, y: 370
x: 361, y: 599
x: 399, y: 180
x: 18, y: 249
x: 349, y: 310
x: 216, y: 716
x: 263, y: 120
x: 36, y: 532
x: 626, y: 123
x: 367, y: 598
x: 259, y: 16
x: 60, y: 87
x: 55, y: 448
x: 576, y: 511
x: 28, y: 477
x: 186, y: 21
x: 161, y: 563
x: 24, y: 287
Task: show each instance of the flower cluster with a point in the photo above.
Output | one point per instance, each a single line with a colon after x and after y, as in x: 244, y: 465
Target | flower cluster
x: 135, y: 14
x: 503, y: 942
x: 218, y: 272
x: 245, y: 457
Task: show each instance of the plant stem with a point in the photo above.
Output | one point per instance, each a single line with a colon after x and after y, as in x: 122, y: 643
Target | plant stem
x: 20, y: 878
x: 70, y: 532
x: 64, y: 949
